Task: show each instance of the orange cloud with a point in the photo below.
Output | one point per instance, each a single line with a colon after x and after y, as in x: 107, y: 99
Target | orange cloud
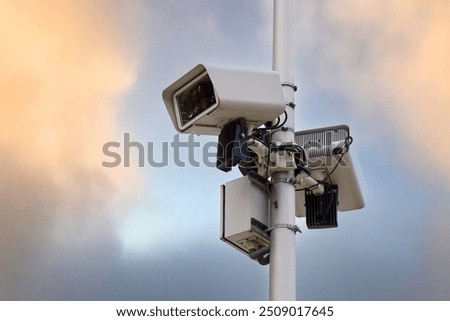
x: 391, y: 61
x: 63, y: 66
x: 422, y: 89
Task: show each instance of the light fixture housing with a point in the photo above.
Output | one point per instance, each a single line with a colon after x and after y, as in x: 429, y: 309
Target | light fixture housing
x: 329, y: 158
x: 206, y: 98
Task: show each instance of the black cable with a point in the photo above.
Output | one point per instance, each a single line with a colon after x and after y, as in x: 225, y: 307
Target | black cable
x: 282, y: 124
x: 277, y: 125
x: 348, y: 142
x: 278, y: 122
x: 332, y: 198
x: 269, y: 192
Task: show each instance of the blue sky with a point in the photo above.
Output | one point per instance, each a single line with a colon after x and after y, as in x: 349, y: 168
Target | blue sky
x: 72, y: 229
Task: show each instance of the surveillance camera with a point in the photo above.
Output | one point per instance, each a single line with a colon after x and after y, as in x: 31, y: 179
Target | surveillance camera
x: 205, y: 99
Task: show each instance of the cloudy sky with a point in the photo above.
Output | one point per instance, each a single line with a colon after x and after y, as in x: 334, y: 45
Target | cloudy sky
x: 77, y: 74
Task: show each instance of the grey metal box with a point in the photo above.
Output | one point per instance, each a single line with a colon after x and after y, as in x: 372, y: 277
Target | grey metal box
x: 244, y: 215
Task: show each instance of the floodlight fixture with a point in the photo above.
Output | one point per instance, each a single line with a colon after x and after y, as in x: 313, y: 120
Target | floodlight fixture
x: 331, y: 166
x: 207, y: 98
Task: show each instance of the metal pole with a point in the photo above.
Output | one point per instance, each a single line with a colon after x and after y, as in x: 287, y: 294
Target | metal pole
x: 282, y: 252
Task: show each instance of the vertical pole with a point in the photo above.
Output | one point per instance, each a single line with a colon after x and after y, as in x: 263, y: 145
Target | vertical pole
x: 282, y: 251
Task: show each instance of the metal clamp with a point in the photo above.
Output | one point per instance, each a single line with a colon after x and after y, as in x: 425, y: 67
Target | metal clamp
x: 293, y: 228
x: 288, y: 84
x: 290, y: 181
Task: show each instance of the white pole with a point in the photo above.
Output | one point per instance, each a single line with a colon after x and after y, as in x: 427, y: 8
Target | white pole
x: 282, y: 249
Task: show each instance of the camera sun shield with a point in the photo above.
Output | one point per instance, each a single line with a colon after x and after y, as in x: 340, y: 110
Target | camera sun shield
x: 206, y: 98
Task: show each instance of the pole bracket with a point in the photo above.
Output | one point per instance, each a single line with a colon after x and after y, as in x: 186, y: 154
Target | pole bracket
x: 289, y: 84
x: 291, y: 227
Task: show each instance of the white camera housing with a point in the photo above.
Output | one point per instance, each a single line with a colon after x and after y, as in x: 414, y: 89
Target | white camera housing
x: 207, y: 98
